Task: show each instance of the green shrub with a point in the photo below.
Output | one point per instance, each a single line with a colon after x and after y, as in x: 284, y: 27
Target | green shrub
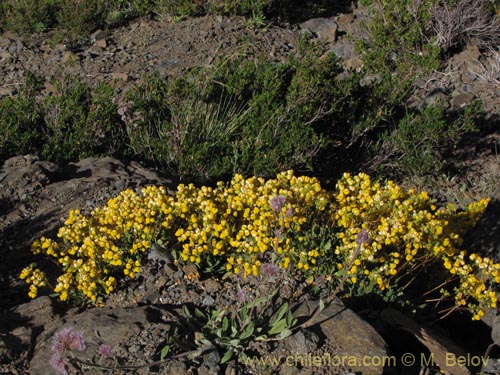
x: 80, y: 123
x: 28, y: 16
x: 20, y: 122
x: 415, y: 145
x: 77, y: 19
x: 399, y: 40
x: 244, y: 117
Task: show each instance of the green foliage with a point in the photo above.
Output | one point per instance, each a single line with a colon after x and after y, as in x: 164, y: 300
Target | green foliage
x: 231, y: 332
x: 20, y: 122
x: 414, y: 146
x: 256, y: 117
x: 28, y: 16
x: 77, y: 19
x: 399, y: 41
x: 79, y: 122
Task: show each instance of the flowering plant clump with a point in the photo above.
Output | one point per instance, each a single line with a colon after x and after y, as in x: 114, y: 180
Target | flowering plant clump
x: 248, y: 219
x: 94, y: 250
x: 236, y: 225
x: 64, y: 342
x: 408, y: 234
x: 383, y: 235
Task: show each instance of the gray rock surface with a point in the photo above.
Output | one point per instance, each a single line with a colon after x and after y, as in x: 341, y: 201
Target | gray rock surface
x: 484, y: 238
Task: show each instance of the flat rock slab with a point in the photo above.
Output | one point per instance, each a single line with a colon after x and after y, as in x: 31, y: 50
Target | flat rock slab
x: 125, y: 330
x: 361, y: 347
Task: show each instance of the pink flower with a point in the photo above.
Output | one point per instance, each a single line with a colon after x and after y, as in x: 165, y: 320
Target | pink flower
x: 106, y: 351
x: 362, y: 237
x: 68, y: 340
x: 59, y: 364
x: 277, y: 202
x: 242, y: 295
x: 269, y: 270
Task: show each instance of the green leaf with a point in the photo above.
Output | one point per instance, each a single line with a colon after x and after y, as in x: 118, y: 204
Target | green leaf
x: 259, y: 301
x: 227, y: 356
x: 234, y: 331
x: 278, y: 327
x: 225, y: 324
x: 321, y: 304
x: 235, y: 343
x: 279, y: 315
x: 249, y: 329
x: 290, y: 320
x: 164, y: 352
x: 284, y: 334
x: 186, y: 312
x: 328, y: 245
x: 244, y: 314
x: 198, y: 313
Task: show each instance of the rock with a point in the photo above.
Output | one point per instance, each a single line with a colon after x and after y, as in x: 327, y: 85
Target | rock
x: 324, y: 28
x: 98, y: 34
x: 302, y: 342
x: 468, y: 56
x: 433, y: 98
x: 120, y: 76
x: 94, y: 51
x: 444, y: 351
x: 343, y: 49
x: 21, y: 325
x: 356, y: 338
x: 7, y: 91
x: 69, y: 58
x: 119, y: 328
x: 5, y: 57
x: 101, y: 43
x: 461, y: 99
x: 484, y: 238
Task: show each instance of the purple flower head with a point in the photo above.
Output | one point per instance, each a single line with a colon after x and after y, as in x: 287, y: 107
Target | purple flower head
x: 289, y: 212
x: 106, y: 351
x: 277, y: 202
x: 122, y: 110
x: 242, y: 295
x: 58, y: 363
x: 68, y: 340
x: 268, y: 269
x: 362, y: 237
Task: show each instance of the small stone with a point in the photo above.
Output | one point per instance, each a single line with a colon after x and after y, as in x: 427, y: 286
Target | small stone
x: 97, y: 35
x: 208, y: 301
x: 120, y: 76
x: 69, y: 58
x: 462, y: 100
x: 94, y: 51
x: 5, y: 57
x: 324, y: 28
x: 101, y: 43
x: 7, y: 91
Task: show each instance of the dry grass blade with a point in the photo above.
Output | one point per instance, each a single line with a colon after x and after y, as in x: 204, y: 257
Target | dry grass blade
x: 468, y: 20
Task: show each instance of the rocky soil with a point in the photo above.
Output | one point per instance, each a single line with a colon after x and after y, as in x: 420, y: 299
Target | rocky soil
x: 35, y: 197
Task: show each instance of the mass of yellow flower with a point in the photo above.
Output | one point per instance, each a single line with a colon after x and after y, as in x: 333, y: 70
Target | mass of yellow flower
x: 408, y: 235
x: 247, y: 222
